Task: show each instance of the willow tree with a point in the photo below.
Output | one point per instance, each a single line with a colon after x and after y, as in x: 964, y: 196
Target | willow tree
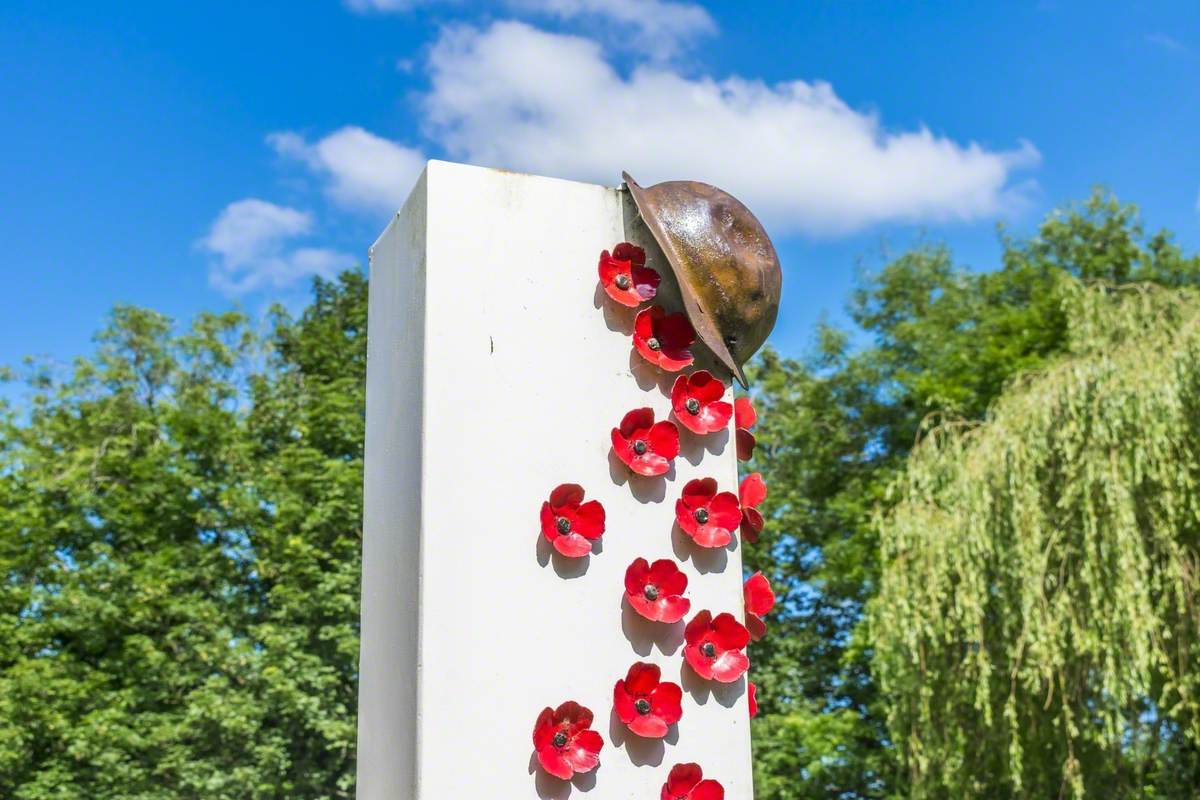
x: 1036, y: 630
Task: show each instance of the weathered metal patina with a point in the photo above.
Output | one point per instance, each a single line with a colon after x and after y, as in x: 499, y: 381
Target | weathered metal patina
x: 726, y: 266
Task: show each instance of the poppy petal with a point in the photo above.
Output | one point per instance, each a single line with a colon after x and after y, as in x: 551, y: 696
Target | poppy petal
x: 623, y: 703
x: 572, y: 545
x: 583, y: 754
x: 666, y: 703
x: 753, y: 489
x: 743, y: 409
x: 729, y: 633
x: 555, y: 762
x: 664, y: 439
x: 649, y: 726
x: 566, y: 495
x: 642, y: 678
x: 636, y: 576
x: 672, y: 609
x: 683, y: 778
x: 708, y: 790
x: 589, y: 520
x: 697, y: 627
x: 745, y: 444
x: 758, y: 595
x: 757, y: 628
x: 729, y: 666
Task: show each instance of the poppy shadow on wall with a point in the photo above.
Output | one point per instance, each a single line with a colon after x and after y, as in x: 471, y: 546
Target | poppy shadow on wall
x: 693, y: 446
x: 642, y: 752
x: 617, y: 318
x: 644, y: 635
x: 705, y: 559
x: 644, y: 489
x: 564, y: 567
x: 648, y: 376
x: 697, y: 687
x: 727, y: 694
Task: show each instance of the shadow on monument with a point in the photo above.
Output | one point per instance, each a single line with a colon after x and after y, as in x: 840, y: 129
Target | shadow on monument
x: 618, y: 318
x: 565, y: 567
x: 643, y: 489
x: 641, y: 752
x: 726, y: 694
x: 693, y: 446
x: 644, y: 635
x: 549, y: 787
x: 706, y: 560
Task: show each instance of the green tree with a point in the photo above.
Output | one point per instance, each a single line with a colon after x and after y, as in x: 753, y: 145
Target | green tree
x: 835, y: 431
x: 1036, y: 630
x: 179, y: 531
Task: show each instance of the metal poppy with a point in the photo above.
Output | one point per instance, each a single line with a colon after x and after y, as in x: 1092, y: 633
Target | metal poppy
x: 564, y: 742
x: 696, y: 401
x: 708, y: 517
x: 655, y: 590
x: 625, y: 276
x: 687, y: 782
x: 645, y: 446
x: 752, y: 492
x: 663, y: 339
x: 647, y: 705
x: 715, y: 647
x: 759, y: 599
x: 568, y: 523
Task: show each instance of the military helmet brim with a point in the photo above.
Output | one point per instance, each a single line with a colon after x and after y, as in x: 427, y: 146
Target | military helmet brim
x: 700, y: 317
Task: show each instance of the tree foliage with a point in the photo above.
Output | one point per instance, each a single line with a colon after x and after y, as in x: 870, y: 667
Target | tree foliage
x: 179, y: 538
x: 1037, y: 631
x: 933, y: 337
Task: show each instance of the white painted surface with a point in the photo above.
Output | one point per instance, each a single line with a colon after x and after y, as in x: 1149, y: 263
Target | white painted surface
x: 487, y: 328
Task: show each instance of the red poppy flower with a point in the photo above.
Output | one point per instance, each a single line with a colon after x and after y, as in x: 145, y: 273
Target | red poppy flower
x: 663, y: 339
x: 653, y: 590
x: 697, y: 402
x: 715, y: 647
x: 709, y: 518
x: 752, y: 492
x: 564, y: 741
x: 686, y: 782
x: 625, y: 276
x: 570, y: 524
x: 744, y: 418
x: 645, y: 703
x: 645, y: 446
x: 752, y: 692
x: 756, y: 591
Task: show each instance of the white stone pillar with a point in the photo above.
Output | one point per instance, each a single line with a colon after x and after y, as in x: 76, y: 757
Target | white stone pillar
x: 496, y: 371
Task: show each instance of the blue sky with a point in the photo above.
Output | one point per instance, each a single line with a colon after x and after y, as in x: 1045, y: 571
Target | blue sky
x: 189, y: 156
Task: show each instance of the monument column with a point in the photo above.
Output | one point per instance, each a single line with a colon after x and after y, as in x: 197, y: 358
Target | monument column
x: 497, y: 368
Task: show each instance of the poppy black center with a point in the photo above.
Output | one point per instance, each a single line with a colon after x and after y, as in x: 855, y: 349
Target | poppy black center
x: 651, y: 592
x: 701, y: 515
x: 560, y: 739
x: 639, y: 447
x: 709, y: 649
x: 623, y: 282
x: 643, y: 706
x: 693, y: 405
x: 564, y: 526
x: 653, y: 343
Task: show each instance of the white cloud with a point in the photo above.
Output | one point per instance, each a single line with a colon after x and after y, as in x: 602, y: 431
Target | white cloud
x: 1168, y: 43
x: 367, y: 6
x: 517, y: 97
x: 362, y: 170
x: 249, y: 239
x: 661, y: 25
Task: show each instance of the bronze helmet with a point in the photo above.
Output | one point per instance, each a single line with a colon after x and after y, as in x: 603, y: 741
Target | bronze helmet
x: 727, y: 269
